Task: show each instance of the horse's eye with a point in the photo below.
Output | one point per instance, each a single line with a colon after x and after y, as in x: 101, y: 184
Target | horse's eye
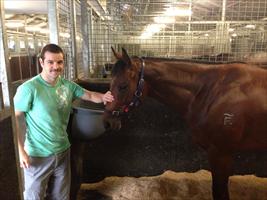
x: 123, y: 87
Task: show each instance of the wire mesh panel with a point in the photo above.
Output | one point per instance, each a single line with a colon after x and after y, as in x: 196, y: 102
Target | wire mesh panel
x: 65, y: 21
x: 215, y: 30
x: 98, y: 42
x: 79, y: 40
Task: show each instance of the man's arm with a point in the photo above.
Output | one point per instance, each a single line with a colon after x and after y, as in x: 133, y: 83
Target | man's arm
x: 21, y: 131
x: 97, y: 97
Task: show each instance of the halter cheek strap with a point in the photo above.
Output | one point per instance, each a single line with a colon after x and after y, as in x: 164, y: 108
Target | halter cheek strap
x: 137, y: 94
x: 140, y: 85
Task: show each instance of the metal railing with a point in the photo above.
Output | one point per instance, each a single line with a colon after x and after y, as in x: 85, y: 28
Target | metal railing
x: 1, y: 98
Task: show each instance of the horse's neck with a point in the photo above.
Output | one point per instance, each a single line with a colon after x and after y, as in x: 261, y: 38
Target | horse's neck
x: 172, y: 83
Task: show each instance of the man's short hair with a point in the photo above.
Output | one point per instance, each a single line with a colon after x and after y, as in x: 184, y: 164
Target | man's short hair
x: 53, y: 48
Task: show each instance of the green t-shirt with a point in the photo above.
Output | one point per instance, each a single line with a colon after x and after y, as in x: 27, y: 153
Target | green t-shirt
x: 47, y: 109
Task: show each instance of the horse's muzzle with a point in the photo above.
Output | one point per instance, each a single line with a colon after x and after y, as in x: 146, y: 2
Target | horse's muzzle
x: 112, y: 123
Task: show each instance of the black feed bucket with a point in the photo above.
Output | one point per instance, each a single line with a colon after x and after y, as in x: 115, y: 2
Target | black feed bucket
x: 86, y: 120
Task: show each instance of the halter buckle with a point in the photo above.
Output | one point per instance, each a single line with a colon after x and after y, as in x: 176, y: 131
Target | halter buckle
x: 138, y: 93
x: 116, y: 113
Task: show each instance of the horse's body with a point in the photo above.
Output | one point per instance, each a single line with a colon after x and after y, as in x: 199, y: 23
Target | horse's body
x: 225, y: 105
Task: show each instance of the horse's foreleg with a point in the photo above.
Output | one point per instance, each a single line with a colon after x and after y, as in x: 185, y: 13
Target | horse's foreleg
x: 77, y: 150
x: 221, y: 168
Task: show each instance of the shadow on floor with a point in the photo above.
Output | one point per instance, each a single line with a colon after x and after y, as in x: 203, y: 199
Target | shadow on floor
x: 91, y: 195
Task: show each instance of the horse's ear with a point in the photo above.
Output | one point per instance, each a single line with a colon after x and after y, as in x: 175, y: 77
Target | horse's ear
x: 118, y: 56
x: 126, y: 58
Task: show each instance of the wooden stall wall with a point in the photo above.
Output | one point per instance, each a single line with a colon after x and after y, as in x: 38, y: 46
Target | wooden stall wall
x: 23, y: 67
x: 9, y: 183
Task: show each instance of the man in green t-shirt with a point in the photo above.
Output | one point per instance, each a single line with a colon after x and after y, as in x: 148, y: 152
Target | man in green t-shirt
x: 42, y: 110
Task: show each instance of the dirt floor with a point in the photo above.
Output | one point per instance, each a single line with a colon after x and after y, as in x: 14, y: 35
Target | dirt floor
x: 154, y: 139
x: 172, y: 186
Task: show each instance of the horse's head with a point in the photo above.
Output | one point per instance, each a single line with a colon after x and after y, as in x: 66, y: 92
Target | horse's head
x: 126, y: 86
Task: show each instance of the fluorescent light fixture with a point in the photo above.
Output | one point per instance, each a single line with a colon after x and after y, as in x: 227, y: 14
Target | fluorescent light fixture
x: 32, y: 28
x: 25, y: 6
x: 78, y: 38
x: 206, y: 34
x: 164, y: 19
x: 44, y: 30
x: 7, y: 16
x: 250, y: 26
x: 234, y: 35
x: 152, y: 29
x: 42, y: 24
x: 231, y: 29
x: 173, y: 11
x: 65, y: 35
x: 126, y: 7
x: 14, y: 24
x: 146, y: 35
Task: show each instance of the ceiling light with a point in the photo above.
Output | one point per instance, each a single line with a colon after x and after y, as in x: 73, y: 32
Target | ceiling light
x: 146, y: 35
x: 65, y: 35
x: 32, y: 28
x: 42, y: 24
x: 251, y: 26
x: 14, y: 24
x: 173, y: 11
x: 154, y: 28
x: 7, y: 16
x: 151, y: 29
x: 44, y: 30
x: 164, y: 20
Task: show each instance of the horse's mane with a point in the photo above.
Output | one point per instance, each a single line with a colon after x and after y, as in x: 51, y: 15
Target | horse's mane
x: 120, y: 65
x: 191, y: 60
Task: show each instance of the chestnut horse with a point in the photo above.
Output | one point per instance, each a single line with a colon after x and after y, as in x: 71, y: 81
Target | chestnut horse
x: 224, y: 105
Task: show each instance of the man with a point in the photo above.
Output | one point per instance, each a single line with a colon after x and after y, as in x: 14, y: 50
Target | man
x: 42, y: 110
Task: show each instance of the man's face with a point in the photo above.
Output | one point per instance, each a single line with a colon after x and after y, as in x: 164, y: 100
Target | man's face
x: 53, y: 64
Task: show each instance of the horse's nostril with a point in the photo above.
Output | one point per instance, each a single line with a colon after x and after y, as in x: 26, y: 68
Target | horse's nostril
x: 113, y: 123
x: 107, y: 125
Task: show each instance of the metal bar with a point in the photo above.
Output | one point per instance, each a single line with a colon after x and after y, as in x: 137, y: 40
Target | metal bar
x: 73, y: 36
x: 8, y: 92
x: 1, y: 98
x: 85, y: 34
x: 223, y: 10
x: 53, y: 21
x: 97, y: 7
x: 202, y: 22
x: 91, y: 27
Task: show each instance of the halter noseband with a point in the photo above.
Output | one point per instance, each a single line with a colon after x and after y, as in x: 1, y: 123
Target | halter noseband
x: 137, y: 94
